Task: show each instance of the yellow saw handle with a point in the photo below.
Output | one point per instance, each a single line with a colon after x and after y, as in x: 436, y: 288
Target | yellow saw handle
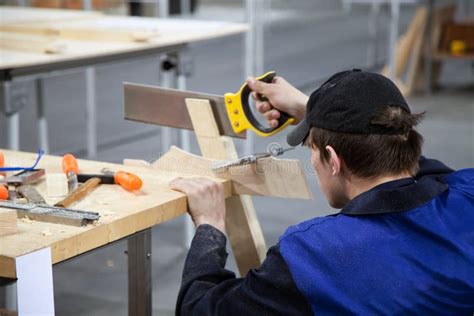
x: 241, y: 115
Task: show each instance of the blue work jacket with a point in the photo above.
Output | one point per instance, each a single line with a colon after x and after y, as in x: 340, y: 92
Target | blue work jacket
x: 404, y: 247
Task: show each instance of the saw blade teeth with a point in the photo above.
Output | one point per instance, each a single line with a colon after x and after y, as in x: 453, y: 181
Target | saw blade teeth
x: 220, y: 166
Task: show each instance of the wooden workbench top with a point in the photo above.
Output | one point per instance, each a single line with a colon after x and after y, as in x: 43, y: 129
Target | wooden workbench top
x: 95, y: 35
x: 122, y: 213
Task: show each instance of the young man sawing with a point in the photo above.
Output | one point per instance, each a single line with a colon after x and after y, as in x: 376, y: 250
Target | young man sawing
x: 403, y: 242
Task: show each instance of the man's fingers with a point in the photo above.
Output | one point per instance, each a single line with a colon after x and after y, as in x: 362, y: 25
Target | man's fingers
x: 206, y: 184
x: 191, y: 185
x: 183, y: 185
x: 258, y: 86
x: 273, y: 123
x: 263, y: 107
x: 271, y: 115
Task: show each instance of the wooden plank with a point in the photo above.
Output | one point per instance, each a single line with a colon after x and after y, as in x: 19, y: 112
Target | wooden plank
x: 8, y: 219
x: 416, y: 56
x: 243, y: 229
x: 408, y: 52
x: 264, y: 178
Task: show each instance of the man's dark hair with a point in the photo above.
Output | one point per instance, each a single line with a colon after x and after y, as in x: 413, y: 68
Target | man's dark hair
x: 369, y: 155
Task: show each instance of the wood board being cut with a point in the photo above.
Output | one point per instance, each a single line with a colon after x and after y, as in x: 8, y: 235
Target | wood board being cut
x: 269, y: 177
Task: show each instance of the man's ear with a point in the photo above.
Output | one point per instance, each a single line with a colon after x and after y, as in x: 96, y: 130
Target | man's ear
x: 334, y: 161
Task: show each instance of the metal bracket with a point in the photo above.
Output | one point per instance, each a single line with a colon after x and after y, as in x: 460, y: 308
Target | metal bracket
x: 13, y: 97
x: 182, y: 63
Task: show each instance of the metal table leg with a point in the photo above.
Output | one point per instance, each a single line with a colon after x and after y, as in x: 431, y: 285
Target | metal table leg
x: 254, y: 50
x: 13, y: 98
x: 13, y: 123
x: 161, y: 8
x: 429, y: 48
x: 91, y: 114
x: 373, y: 35
x: 185, y: 136
x: 167, y: 81
x: 395, y: 13
x: 42, y: 123
x: 139, y: 274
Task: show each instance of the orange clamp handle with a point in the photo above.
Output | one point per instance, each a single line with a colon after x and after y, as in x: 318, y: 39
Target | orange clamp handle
x: 70, y: 164
x: 2, y: 163
x: 128, y: 180
x: 4, y: 194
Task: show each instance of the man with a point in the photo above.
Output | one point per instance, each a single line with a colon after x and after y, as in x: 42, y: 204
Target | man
x: 403, y: 242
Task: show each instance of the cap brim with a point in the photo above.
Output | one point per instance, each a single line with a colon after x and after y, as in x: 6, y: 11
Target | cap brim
x: 298, y: 134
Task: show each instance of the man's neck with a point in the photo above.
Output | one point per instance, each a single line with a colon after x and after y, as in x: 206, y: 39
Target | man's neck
x: 358, y: 186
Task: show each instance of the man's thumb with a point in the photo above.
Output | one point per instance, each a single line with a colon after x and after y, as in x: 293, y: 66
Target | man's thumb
x: 256, y: 85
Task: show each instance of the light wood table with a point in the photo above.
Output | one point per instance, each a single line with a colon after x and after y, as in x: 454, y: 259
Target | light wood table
x: 82, y: 40
x: 29, y: 254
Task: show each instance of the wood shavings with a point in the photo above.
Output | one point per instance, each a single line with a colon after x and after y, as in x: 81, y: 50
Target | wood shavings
x: 46, y: 232
x: 107, y: 213
x: 26, y: 220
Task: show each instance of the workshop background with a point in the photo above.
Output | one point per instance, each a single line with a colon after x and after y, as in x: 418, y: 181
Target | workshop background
x: 305, y: 41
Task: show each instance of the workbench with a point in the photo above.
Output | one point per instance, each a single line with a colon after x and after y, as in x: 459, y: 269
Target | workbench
x: 27, y: 62
x: 29, y: 254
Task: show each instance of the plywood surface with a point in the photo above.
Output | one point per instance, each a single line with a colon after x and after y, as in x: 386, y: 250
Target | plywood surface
x: 99, y: 36
x: 33, y: 15
x: 122, y: 213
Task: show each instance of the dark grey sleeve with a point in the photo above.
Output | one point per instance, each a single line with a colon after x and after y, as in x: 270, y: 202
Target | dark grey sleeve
x: 209, y: 289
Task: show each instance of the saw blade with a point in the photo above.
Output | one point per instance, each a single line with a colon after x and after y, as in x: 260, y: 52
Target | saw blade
x: 167, y: 107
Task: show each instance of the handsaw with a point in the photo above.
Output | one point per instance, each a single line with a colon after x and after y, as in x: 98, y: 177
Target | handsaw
x: 167, y: 107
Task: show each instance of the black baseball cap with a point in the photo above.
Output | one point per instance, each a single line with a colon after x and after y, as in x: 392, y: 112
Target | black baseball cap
x: 347, y: 102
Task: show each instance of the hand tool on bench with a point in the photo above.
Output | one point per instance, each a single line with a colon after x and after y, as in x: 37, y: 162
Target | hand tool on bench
x: 167, y: 107
x: 71, y: 169
x: 127, y: 180
x: 2, y: 162
x: 79, y: 192
x: 76, y: 192
x: 52, y: 214
x: 223, y: 165
x: 17, y: 181
x: 36, y: 207
x: 3, y: 189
